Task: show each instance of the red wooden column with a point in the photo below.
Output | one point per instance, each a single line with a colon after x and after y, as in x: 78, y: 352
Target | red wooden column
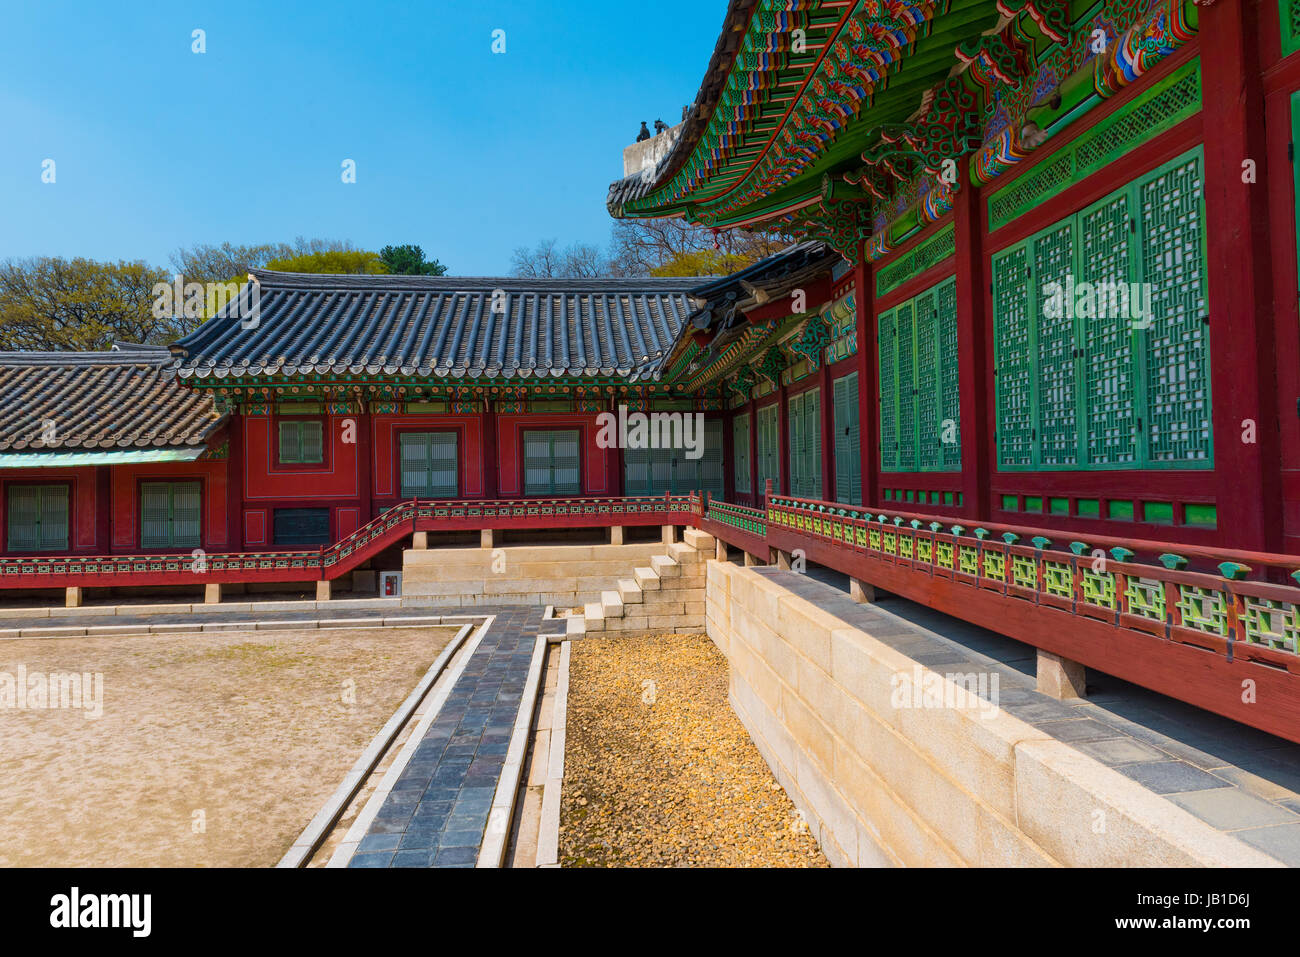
x: 104, y: 515
x: 825, y: 406
x: 235, y: 484
x: 1242, y: 346
x: 868, y: 388
x: 975, y: 383
x: 489, y: 453
x: 365, y: 464
x: 783, y: 430
x: 728, y: 455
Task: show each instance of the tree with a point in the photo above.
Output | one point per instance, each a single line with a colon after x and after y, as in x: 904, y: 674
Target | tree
x: 547, y: 261
x: 216, y: 267
x: 335, y: 262
x: 702, y: 262
x: 408, y: 260
x: 641, y: 247
x: 56, y: 304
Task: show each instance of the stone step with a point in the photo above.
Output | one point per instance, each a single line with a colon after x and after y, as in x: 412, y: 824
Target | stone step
x: 699, y: 540
x: 594, y: 615
x: 427, y: 583
x: 647, y: 578
x: 612, y: 603
x: 575, y: 627
x: 666, y: 566
x: 513, y: 569
x: 531, y: 553
x: 684, y: 554
x: 630, y: 591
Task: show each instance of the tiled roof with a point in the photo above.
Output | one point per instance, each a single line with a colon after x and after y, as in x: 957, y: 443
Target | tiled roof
x: 773, y: 276
x: 722, y: 303
x: 99, y: 400
x: 444, y: 326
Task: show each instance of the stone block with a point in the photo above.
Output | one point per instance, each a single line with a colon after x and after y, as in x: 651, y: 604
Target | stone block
x: 1059, y: 677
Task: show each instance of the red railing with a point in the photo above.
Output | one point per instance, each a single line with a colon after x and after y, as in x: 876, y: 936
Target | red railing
x: 1227, y: 640
x: 331, y: 561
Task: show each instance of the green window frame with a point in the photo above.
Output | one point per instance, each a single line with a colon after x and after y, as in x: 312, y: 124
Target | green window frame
x: 769, y: 448
x: 1295, y: 167
x: 552, y: 462
x: 37, y: 518
x: 806, y: 444
x: 920, y: 388
x: 1077, y: 390
x: 740, y: 429
x: 430, y: 464
x: 848, y: 440
x: 302, y: 441
x: 656, y: 471
x: 171, y: 515
x: 1289, y: 20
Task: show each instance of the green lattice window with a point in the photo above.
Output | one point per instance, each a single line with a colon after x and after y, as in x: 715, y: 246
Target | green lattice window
x: 1289, y: 15
x: 1101, y: 336
x: 38, y: 518
x: 676, y: 469
x: 806, y: 445
x: 920, y: 419
x: 887, y: 342
x: 740, y: 454
x: 430, y: 465
x: 551, y: 463
x: 769, y: 448
x: 926, y: 255
x: 848, y: 442
x: 170, y: 515
x: 302, y: 441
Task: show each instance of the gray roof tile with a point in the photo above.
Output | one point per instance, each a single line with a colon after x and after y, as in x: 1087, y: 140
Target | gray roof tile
x: 421, y: 325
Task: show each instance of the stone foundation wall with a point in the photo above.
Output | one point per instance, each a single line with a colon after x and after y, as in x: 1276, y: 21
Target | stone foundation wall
x: 883, y: 781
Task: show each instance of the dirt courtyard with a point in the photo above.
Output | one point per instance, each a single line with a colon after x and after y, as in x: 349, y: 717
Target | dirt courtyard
x: 212, y: 749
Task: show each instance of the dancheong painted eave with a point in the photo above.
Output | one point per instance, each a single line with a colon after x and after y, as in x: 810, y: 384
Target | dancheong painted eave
x: 462, y: 328
x: 785, y: 119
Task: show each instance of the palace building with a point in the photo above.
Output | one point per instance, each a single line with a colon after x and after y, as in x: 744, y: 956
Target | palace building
x: 1031, y: 359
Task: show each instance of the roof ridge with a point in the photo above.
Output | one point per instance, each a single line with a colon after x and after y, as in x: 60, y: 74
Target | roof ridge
x: 325, y: 280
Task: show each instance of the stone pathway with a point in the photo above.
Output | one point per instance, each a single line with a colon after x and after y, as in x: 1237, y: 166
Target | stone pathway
x: 437, y: 811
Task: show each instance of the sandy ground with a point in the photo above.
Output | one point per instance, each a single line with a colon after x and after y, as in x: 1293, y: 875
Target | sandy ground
x: 213, y: 749
x: 659, y: 771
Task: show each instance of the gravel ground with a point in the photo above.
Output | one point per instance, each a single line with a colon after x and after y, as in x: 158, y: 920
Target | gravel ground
x: 658, y: 770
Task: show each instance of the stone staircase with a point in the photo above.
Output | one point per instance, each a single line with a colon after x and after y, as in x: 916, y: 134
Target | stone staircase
x: 581, y: 577
x: 665, y: 595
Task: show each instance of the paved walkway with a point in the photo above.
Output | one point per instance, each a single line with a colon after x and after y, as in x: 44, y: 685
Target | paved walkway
x: 437, y: 811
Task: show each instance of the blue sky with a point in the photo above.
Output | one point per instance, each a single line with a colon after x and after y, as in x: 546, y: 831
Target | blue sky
x: 465, y: 152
